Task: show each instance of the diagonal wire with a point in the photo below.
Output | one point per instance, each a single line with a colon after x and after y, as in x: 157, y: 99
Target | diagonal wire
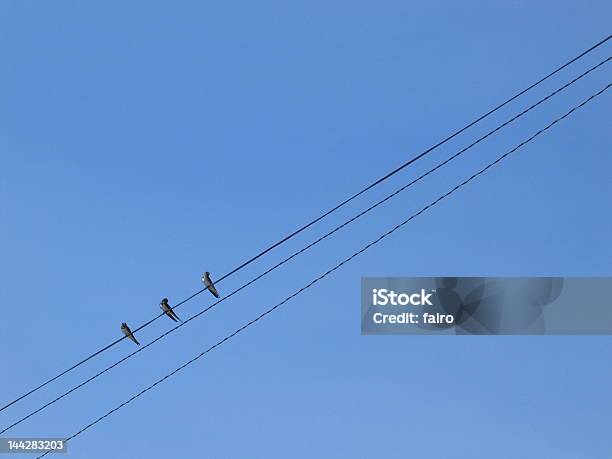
x: 295, y: 254
x: 312, y: 222
x: 331, y: 270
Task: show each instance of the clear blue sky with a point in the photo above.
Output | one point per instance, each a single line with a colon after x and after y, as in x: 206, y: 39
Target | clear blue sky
x: 142, y: 143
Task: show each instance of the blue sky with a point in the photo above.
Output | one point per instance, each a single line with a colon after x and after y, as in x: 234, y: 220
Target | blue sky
x: 144, y: 143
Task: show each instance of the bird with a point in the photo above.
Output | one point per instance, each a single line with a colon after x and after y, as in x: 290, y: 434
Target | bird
x: 168, y: 310
x: 209, y: 284
x: 127, y: 332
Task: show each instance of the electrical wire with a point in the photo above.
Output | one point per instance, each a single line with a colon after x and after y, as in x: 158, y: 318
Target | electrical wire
x: 312, y: 222
x: 295, y: 254
x: 337, y: 266
x: 317, y: 241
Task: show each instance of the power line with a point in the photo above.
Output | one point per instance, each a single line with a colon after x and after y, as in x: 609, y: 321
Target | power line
x: 320, y: 239
x: 312, y: 222
x: 337, y: 266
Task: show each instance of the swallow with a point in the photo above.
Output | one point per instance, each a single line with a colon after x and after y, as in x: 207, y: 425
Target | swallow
x: 168, y: 310
x: 127, y: 332
x: 208, y: 284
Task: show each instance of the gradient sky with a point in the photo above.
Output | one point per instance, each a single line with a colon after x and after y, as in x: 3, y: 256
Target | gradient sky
x: 142, y: 143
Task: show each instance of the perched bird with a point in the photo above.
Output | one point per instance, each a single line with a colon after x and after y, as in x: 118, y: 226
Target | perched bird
x: 208, y: 284
x: 168, y: 310
x: 127, y: 332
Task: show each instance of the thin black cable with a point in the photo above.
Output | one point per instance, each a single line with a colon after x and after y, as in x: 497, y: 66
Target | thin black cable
x: 343, y: 203
x: 331, y: 270
x: 295, y: 254
x: 407, y: 163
